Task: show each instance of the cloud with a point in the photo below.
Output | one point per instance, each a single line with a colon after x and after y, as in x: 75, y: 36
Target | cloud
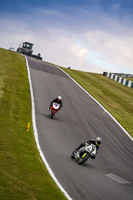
x: 57, y: 46
x: 115, y: 6
x: 88, y: 41
x: 111, y: 48
x: 78, y: 50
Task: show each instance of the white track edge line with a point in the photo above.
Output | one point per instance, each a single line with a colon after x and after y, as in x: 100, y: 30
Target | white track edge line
x: 98, y: 104
x: 36, y: 136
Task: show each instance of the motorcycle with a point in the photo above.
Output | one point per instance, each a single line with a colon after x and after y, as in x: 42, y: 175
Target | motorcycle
x: 54, y: 109
x: 84, y: 153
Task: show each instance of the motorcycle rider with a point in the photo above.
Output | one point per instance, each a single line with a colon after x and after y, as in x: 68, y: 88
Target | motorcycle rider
x: 38, y: 56
x: 96, y: 141
x: 56, y: 100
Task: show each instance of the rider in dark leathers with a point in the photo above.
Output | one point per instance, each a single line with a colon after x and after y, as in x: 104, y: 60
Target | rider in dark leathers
x: 96, y: 141
x: 57, y: 100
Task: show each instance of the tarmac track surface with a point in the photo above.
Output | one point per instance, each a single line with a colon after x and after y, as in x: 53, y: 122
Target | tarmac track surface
x: 110, y: 175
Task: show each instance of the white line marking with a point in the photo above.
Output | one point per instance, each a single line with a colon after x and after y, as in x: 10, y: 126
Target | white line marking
x: 99, y: 105
x: 36, y: 136
x: 117, y: 178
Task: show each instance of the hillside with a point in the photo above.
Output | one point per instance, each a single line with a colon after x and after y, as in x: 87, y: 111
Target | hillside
x: 23, y: 175
x: 116, y: 98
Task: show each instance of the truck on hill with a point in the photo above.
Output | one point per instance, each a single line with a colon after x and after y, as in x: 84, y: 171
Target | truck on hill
x: 26, y: 49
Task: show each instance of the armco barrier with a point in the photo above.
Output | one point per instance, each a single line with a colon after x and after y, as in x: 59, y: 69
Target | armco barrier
x: 119, y: 79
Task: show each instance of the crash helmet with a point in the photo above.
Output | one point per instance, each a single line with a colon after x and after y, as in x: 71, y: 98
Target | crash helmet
x: 98, y: 141
x: 59, y: 98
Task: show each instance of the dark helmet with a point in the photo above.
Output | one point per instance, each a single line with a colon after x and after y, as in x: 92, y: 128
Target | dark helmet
x: 59, y: 98
x: 98, y: 141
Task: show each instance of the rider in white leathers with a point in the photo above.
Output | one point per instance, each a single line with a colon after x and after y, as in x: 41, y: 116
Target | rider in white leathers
x: 96, y: 141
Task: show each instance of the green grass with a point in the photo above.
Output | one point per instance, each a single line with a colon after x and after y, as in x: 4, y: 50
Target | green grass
x: 23, y: 175
x: 130, y: 79
x: 115, y: 97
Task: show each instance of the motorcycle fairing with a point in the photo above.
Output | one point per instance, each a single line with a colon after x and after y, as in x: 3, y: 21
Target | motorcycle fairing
x: 56, y: 106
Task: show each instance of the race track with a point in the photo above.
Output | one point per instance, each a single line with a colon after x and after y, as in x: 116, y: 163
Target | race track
x: 110, y: 175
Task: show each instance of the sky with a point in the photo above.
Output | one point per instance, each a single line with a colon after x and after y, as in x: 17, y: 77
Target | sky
x: 87, y: 35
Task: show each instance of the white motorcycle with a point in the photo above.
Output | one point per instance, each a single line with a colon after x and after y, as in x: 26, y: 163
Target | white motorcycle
x: 84, y: 153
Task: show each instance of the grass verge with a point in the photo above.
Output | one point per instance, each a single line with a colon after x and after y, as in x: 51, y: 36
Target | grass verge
x: 115, y: 97
x: 130, y: 79
x: 23, y: 175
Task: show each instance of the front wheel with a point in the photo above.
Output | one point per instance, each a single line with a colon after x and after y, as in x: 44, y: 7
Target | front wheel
x: 83, y: 159
x: 52, y: 114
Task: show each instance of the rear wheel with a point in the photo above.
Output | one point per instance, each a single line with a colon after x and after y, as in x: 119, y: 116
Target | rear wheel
x: 73, y: 154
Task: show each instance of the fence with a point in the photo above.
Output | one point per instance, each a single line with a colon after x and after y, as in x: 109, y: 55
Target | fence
x: 119, y: 79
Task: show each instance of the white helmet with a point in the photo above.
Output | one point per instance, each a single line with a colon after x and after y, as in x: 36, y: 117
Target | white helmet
x: 98, y: 141
x: 59, y: 97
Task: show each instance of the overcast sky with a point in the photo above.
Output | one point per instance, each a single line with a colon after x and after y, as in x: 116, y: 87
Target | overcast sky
x: 88, y: 35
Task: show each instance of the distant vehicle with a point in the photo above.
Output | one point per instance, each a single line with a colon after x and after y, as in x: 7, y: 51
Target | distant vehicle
x: 12, y: 49
x: 38, y: 56
x: 26, y: 49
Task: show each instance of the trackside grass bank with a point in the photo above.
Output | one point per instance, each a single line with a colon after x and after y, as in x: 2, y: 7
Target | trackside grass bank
x: 116, y: 98
x: 23, y: 175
